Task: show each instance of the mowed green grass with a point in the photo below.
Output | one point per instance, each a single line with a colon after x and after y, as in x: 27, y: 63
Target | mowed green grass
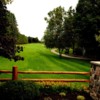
x: 39, y: 58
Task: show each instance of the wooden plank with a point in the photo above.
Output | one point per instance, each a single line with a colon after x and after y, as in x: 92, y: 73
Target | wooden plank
x: 48, y: 80
x: 46, y: 72
x: 53, y: 72
x: 5, y: 71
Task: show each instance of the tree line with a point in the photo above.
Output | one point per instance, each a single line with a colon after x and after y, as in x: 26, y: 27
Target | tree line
x: 10, y: 35
x: 77, y: 28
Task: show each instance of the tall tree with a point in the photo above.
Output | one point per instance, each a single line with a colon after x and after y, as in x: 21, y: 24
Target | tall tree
x: 8, y: 32
x: 88, y: 24
x: 3, y: 18
x: 54, y: 29
x: 69, y: 35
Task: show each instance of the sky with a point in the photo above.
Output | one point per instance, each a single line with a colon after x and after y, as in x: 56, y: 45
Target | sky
x: 30, y: 14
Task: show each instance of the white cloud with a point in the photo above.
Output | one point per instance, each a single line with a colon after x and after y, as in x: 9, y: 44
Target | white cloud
x: 30, y: 14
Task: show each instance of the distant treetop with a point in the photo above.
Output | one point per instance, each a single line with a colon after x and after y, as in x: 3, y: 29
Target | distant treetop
x: 6, y: 1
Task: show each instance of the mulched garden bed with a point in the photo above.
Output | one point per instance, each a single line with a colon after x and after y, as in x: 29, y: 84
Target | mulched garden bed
x: 68, y: 96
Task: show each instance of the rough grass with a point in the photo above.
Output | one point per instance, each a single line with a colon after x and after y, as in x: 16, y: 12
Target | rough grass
x: 39, y: 58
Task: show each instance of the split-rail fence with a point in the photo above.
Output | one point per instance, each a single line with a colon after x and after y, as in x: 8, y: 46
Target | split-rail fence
x: 15, y: 74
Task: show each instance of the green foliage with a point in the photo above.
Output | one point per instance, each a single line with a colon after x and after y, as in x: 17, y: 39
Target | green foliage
x: 53, y: 34
x: 80, y: 97
x: 97, y: 38
x: 3, y: 19
x: 7, y: 48
x: 19, y: 90
x: 49, y: 40
x: 77, y: 28
x: 22, y: 39
x: 69, y: 35
x: 87, y: 24
x: 33, y: 40
x: 12, y: 29
x: 70, y: 51
x: 8, y: 33
x: 62, y: 94
x: 6, y: 1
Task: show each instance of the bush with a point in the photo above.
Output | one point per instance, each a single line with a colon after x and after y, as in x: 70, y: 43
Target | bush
x: 19, y: 90
x: 70, y: 51
x: 80, y: 97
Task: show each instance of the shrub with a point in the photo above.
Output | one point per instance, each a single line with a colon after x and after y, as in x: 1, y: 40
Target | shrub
x: 70, y: 51
x: 80, y: 97
x: 19, y: 90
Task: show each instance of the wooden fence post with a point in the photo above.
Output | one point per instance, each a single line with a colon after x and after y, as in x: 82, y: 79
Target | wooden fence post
x: 15, y: 73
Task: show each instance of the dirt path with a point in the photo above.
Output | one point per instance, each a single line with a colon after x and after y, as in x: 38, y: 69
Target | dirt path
x: 68, y: 56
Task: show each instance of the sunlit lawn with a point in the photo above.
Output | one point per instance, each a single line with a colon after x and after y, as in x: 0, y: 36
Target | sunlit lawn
x: 39, y: 58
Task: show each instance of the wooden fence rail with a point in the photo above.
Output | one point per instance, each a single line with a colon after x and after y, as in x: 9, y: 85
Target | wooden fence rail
x: 15, y: 73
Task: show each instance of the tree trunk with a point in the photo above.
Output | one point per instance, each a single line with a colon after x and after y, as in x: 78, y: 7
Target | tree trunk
x: 60, y: 52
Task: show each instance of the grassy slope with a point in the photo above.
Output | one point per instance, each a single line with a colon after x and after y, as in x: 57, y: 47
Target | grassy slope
x: 37, y: 57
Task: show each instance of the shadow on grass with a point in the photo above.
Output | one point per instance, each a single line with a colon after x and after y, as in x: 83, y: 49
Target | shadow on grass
x: 67, y: 64
x: 54, y: 58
